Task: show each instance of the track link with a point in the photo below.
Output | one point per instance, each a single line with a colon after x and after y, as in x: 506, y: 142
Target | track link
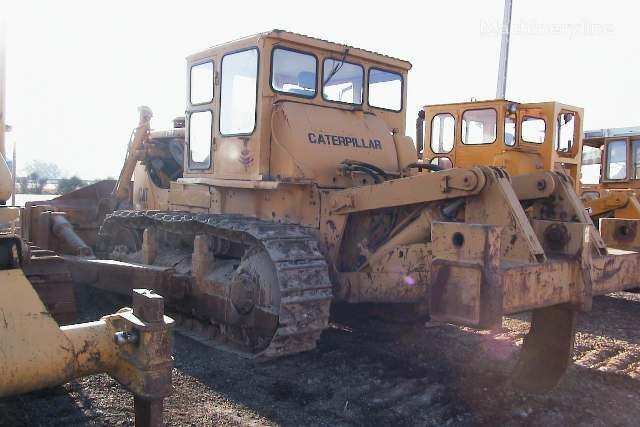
x: 301, y: 269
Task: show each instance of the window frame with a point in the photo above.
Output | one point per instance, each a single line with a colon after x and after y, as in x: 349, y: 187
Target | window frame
x: 213, y: 83
x: 255, y: 113
x: 190, y: 160
x: 626, y: 160
x: 364, y: 82
x: 544, y: 120
x: 369, y: 85
x: 297, y: 95
x: 444, y: 113
x: 495, y: 137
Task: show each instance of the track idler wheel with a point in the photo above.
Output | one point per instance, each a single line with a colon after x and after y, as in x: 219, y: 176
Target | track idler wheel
x: 546, y: 350
x: 254, y: 298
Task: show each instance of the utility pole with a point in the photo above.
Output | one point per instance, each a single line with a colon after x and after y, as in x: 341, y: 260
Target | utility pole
x: 501, y: 89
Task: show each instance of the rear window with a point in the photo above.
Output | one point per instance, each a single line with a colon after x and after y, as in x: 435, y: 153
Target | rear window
x: 533, y: 130
x: 293, y: 73
x: 342, y: 81
x: 479, y: 126
x: 385, y: 89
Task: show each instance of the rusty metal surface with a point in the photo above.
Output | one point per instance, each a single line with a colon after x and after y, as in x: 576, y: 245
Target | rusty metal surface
x: 51, y: 279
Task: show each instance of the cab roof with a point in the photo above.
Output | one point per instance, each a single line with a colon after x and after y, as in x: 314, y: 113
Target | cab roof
x: 309, y: 41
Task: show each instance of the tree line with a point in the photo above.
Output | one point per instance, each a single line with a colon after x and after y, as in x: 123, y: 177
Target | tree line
x: 40, y: 177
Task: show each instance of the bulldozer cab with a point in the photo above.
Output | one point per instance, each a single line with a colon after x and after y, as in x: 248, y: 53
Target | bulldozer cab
x: 612, y: 158
x: 522, y: 138
x: 284, y: 107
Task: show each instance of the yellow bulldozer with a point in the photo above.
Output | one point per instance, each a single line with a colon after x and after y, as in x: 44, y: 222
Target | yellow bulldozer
x: 298, y: 189
x: 613, y: 159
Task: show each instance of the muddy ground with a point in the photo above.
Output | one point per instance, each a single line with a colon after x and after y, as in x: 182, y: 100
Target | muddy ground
x: 368, y: 372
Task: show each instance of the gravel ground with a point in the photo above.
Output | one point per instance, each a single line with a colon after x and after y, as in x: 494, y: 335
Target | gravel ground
x: 366, y: 372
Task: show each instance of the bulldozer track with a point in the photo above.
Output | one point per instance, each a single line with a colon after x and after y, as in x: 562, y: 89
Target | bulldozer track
x: 301, y: 269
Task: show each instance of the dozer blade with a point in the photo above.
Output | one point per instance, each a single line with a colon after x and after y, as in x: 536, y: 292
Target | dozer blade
x: 546, y: 350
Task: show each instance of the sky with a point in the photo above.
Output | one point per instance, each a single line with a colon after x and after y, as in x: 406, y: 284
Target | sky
x: 78, y: 70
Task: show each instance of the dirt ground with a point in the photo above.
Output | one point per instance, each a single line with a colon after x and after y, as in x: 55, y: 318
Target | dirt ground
x: 368, y: 372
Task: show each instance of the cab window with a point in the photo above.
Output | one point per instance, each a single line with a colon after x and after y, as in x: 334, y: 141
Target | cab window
x: 533, y: 129
x: 200, y: 139
x: 239, y: 77
x: 342, y: 81
x: 590, y: 170
x: 385, y: 89
x: 566, y: 132
x: 201, y: 83
x: 442, y: 133
x: 479, y: 126
x: 617, y: 159
x: 509, y: 131
x: 293, y: 73
x: 635, y: 156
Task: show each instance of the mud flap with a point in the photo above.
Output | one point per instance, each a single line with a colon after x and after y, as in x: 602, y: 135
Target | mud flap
x: 546, y: 350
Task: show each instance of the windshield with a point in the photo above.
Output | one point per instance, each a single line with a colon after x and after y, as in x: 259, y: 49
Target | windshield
x: 343, y: 81
x: 293, y: 72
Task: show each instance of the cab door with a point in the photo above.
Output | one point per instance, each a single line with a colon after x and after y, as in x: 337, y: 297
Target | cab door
x: 200, y: 116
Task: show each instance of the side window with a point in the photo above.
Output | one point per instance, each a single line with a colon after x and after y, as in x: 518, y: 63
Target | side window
x: 385, y: 89
x: 617, y: 160
x: 293, y: 73
x: 479, y: 126
x: 342, y: 81
x: 239, y: 77
x: 509, y: 131
x: 200, y: 139
x: 533, y: 129
x: 590, y: 170
x: 201, y: 83
x: 442, y: 133
x: 635, y: 155
x: 566, y: 132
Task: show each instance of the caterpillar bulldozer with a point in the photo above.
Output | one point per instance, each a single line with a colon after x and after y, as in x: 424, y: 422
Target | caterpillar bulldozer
x: 299, y: 189
x: 531, y: 138
x: 521, y: 138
